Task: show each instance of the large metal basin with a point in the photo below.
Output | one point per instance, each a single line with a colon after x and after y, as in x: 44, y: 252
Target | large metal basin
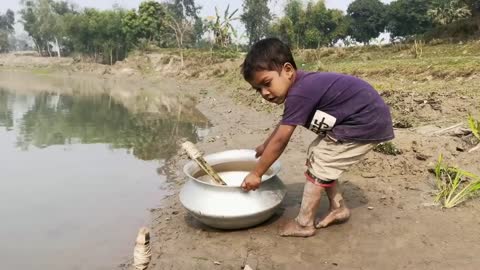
x: 229, y: 207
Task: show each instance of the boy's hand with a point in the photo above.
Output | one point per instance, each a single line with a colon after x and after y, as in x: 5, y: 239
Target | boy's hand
x: 272, y: 151
x: 259, y: 150
x: 251, y: 182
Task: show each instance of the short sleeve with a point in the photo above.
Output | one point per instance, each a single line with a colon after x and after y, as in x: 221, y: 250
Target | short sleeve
x: 297, y: 111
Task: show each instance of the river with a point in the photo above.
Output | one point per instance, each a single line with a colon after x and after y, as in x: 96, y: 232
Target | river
x: 78, y: 175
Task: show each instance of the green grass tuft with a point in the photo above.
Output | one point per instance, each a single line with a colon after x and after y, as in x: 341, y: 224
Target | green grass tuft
x: 474, y: 126
x: 454, y: 185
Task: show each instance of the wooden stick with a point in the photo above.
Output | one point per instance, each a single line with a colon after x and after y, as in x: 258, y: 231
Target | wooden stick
x: 196, y: 155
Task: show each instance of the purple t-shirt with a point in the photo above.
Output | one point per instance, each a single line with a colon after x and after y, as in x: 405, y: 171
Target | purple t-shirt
x: 345, y: 107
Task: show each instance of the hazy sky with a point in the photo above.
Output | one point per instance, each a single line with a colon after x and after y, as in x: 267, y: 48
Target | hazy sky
x: 208, y: 6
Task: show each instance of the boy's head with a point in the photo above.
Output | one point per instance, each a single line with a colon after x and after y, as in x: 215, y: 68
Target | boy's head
x: 270, y: 69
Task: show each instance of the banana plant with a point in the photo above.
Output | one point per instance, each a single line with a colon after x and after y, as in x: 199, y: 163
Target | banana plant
x: 222, y: 28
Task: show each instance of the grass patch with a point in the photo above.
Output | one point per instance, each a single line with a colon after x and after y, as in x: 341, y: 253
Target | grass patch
x: 42, y: 71
x: 454, y: 185
x: 387, y: 148
x: 439, y: 61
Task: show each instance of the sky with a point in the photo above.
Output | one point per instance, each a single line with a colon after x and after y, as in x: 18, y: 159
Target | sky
x: 208, y: 6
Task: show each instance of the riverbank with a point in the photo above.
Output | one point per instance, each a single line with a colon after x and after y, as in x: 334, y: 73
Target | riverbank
x: 394, y: 224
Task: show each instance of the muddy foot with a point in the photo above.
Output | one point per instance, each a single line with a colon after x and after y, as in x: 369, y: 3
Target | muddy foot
x: 293, y: 229
x: 336, y: 216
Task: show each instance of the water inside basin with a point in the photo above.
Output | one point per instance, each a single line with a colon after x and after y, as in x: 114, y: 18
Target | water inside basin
x: 232, y: 178
x: 231, y: 173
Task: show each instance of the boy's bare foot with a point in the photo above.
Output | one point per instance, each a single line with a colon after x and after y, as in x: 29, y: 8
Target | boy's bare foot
x: 293, y: 229
x: 335, y: 216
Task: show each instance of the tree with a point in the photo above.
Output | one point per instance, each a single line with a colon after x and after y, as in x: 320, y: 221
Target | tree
x: 317, y: 22
x: 99, y: 34
x: 283, y: 29
x: 7, y: 21
x: 112, y: 35
x: 256, y: 17
x: 337, y: 26
x: 184, y: 22
x: 294, y: 13
x: 167, y: 24
x: 198, y: 30
x: 408, y: 17
x: 31, y: 24
x: 6, y: 29
x: 151, y: 17
x: 42, y: 20
x: 48, y: 27
x: 47, y: 20
x: 448, y: 11
x: 367, y: 19
x: 311, y: 26
x: 179, y: 25
x: 131, y: 27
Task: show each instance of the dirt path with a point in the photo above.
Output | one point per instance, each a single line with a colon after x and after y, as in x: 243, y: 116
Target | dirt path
x: 404, y: 230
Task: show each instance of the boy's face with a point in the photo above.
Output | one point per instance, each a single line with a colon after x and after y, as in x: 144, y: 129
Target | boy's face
x: 272, y: 85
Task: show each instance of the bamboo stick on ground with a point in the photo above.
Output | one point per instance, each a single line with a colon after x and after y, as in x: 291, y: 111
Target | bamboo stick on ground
x: 142, y: 253
x: 196, y: 155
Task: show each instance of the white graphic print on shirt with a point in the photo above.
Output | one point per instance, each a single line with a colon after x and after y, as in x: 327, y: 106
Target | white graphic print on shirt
x: 322, y: 122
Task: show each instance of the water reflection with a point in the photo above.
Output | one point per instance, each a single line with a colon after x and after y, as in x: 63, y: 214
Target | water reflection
x: 78, y: 173
x: 6, y: 116
x: 53, y: 119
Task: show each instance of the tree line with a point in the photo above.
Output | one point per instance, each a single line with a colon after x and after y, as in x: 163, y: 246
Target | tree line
x: 313, y: 25
x: 59, y: 27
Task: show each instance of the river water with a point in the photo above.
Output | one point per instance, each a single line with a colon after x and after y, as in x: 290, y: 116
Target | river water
x: 78, y: 175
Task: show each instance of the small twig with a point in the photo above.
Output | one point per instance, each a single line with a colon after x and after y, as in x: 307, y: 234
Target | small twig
x: 447, y: 129
x: 474, y: 149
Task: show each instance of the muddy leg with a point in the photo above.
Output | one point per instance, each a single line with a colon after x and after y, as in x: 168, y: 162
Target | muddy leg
x: 338, y: 213
x: 303, y: 224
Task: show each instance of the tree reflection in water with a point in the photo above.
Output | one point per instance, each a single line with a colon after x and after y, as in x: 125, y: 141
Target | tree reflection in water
x: 53, y: 119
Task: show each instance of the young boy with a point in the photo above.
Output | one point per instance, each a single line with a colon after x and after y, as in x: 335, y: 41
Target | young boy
x: 348, y: 115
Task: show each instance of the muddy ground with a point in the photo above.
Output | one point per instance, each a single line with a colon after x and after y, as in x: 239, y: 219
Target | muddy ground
x: 394, y: 223
x: 404, y: 230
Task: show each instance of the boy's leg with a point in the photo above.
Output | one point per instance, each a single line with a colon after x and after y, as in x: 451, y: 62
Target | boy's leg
x: 303, y: 224
x: 338, y: 212
x: 328, y: 159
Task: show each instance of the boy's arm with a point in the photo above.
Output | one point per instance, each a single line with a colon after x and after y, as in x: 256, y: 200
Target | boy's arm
x: 261, y: 148
x: 274, y: 148
x: 271, y: 135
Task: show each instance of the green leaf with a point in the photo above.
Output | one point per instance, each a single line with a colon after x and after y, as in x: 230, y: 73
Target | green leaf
x: 474, y: 126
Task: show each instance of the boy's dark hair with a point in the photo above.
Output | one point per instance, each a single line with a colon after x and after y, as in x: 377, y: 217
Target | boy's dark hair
x: 266, y: 54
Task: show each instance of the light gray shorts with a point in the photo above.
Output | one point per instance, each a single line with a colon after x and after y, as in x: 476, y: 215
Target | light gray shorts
x: 328, y: 158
